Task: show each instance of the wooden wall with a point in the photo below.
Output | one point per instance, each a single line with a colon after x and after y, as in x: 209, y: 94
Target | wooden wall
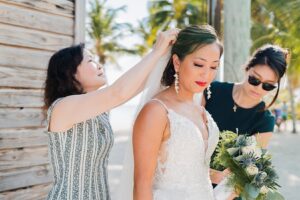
x: 30, y: 31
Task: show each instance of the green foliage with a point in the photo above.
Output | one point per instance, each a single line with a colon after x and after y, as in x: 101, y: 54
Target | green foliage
x: 164, y: 14
x: 277, y: 22
x: 252, y: 174
x: 106, y: 32
x: 226, y: 140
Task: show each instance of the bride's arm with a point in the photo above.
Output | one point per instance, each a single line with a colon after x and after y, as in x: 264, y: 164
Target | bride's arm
x: 147, y: 137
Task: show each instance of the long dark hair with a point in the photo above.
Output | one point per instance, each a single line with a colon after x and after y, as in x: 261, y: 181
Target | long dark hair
x: 189, y: 40
x: 60, y: 80
x: 274, y: 57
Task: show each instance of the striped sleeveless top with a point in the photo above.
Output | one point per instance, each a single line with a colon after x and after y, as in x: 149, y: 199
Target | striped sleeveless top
x: 79, y: 158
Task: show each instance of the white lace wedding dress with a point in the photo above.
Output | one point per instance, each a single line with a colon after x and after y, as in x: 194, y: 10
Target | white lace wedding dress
x: 182, y: 172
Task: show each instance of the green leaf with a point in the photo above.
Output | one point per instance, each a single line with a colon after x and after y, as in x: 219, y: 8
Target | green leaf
x: 233, y: 150
x: 273, y: 195
x: 252, y: 191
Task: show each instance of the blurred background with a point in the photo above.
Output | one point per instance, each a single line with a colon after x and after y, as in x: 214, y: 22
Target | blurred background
x: 120, y: 33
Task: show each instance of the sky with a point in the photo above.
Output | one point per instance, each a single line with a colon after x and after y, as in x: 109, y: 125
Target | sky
x: 136, y: 10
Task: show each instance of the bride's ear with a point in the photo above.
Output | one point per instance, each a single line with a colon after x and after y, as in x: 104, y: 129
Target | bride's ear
x: 176, y: 62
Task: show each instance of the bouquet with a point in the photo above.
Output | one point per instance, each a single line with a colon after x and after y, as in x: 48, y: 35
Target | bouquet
x: 252, y: 174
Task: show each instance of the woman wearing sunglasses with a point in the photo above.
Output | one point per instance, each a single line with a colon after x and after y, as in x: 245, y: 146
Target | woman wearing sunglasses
x: 239, y: 107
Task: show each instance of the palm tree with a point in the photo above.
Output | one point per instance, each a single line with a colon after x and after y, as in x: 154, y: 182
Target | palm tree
x: 164, y: 14
x: 275, y: 21
x: 106, y: 32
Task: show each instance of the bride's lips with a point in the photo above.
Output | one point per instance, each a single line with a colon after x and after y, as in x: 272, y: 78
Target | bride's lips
x: 201, y: 83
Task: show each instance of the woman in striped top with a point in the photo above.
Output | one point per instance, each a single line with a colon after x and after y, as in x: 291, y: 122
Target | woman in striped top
x: 80, y: 135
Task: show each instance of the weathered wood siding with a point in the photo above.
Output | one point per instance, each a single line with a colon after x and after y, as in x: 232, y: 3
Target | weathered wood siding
x: 30, y: 32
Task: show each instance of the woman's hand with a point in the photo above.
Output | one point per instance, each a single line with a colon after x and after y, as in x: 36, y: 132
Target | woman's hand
x: 217, y: 176
x: 164, y: 41
x: 232, y: 196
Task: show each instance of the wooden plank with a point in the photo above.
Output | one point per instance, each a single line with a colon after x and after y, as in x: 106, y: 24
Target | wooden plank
x: 80, y: 14
x: 18, y: 77
x: 21, y: 118
x: 15, y: 98
x: 17, y: 36
x: 23, y: 157
x: 36, y: 20
x: 59, y: 7
x: 22, y: 138
x: 23, y: 177
x: 25, y: 57
x: 37, y: 192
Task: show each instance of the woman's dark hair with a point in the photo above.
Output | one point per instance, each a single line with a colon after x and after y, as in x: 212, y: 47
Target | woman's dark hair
x: 60, y: 80
x: 274, y: 57
x: 188, y: 41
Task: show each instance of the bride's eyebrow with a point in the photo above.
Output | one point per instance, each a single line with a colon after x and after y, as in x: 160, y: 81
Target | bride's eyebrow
x: 205, y: 59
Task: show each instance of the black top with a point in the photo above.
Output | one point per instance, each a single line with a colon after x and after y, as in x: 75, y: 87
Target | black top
x: 246, y: 120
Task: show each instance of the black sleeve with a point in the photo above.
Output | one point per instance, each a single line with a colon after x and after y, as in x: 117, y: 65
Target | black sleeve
x: 266, y: 123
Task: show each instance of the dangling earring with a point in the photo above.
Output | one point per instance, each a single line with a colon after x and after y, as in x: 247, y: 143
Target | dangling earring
x: 208, y: 92
x: 176, y: 82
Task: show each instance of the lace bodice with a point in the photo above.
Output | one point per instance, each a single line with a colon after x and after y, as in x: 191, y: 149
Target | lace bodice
x: 182, y: 170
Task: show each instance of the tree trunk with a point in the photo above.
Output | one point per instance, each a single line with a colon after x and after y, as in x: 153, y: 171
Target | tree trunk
x: 214, y: 14
x: 293, y: 108
x: 237, y: 40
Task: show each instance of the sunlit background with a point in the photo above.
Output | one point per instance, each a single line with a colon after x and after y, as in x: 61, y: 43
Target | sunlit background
x: 119, y: 33
x: 268, y: 22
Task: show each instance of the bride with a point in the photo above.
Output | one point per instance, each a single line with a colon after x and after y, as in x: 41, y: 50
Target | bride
x: 171, y: 146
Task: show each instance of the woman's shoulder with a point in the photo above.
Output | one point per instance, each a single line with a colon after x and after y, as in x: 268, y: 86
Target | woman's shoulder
x: 154, y: 108
x: 268, y: 116
x: 266, y: 122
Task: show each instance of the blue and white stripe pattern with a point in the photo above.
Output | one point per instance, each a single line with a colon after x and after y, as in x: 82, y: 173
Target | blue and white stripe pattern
x: 79, y: 158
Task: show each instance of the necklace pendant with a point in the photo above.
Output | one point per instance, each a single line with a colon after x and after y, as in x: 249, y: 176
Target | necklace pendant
x: 234, y: 108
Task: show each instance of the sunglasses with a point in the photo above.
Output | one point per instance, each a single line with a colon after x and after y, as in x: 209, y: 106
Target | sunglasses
x: 252, y: 80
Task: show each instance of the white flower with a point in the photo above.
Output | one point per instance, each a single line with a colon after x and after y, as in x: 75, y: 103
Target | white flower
x: 257, y: 152
x: 251, y: 141
x: 248, y: 149
x: 252, y: 170
x: 252, y: 149
x: 264, y: 190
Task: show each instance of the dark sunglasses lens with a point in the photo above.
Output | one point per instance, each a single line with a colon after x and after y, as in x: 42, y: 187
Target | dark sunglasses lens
x: 253, y: 81
x: 268, y: 87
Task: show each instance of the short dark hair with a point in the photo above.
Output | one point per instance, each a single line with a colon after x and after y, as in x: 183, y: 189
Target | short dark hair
x: 189, y: 40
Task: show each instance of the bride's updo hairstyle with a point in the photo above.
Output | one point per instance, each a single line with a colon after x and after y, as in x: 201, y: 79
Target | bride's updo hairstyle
x: 189, y: 40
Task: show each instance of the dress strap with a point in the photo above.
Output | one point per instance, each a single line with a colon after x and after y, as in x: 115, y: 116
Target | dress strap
x: 49, y: 112
x: 161, y: 103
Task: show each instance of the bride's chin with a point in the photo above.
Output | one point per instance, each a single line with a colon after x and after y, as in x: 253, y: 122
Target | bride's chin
x: 199, y: 90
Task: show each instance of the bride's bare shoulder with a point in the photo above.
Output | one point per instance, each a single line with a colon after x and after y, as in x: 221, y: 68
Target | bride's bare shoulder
x: 165, y: 96
x: 154, y: 107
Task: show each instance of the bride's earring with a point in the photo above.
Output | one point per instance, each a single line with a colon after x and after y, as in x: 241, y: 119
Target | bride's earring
x: 208, y: 92
x: 176, y: 82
